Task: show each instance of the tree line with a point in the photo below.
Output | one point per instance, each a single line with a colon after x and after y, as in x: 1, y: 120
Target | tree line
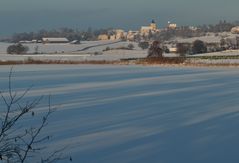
x: 222, y: 26
x: 188, y: 32
x: 71, y: 34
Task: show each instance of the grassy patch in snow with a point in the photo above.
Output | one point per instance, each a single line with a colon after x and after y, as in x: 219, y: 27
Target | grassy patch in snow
x: 214, y: 57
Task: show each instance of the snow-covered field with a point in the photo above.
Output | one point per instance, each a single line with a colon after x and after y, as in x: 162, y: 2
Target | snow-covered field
x: 108, y: 56
x: 209, y: 38
x: 74, y: 53
x: 222, y: 53
x: 71, y: 48
x: 122, y: 114
x: 95, y: 51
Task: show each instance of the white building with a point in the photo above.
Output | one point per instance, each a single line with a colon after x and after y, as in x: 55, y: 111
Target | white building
x: 119, y: 34
x: 132, y: 35
x: 172, y: 26
x: 235, y: 30
x: 113, y: 37
x: 55, y: 40
x: 145, y: 30
x: 103, y: 37
x: 193, y: 28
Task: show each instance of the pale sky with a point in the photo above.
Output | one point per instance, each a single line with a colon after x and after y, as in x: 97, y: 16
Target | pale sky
x: 32, y: 15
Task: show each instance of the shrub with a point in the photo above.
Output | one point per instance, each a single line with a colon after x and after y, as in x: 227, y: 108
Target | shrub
x: 199, y: 47
x: 107, y: 48
x: 17, y: 49
x: 143, y: 45
x: 97, y: 53
x: 166, y: 49
x: 131, y: 46
x: 36, y: 48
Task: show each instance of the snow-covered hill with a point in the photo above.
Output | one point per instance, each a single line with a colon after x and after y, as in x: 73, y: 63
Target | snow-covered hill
x: 137, y: 114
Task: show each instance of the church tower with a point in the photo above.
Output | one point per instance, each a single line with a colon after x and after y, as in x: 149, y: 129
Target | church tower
x: 153, y: 25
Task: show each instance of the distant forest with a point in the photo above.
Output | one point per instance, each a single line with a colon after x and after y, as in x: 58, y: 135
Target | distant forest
x: 90, y: 34
x: 202, y: 30
x: 70, y: 34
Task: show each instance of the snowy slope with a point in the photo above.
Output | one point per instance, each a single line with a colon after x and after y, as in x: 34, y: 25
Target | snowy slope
x: 209, y: 38
x: 77, y: 52
x: 136, y: 114
x: 97, y: 46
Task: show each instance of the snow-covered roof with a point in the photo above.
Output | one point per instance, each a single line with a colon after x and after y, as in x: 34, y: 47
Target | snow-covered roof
x: 53, y: 39
x: 146, y: 28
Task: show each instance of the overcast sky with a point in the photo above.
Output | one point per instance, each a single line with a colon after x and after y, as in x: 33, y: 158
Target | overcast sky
x: 32, y: 15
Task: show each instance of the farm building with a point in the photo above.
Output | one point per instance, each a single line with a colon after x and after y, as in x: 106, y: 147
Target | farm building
x: 103, y: 37
x: 235, y: 30
x: 55, y: 40
x: 172, y: 26
x: 145, y: 30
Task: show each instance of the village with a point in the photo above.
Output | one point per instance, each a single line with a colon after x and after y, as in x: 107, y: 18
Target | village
x: 144, y: 32
x: 173, y: 38
x: 214, y: 42
x: 206, y: 44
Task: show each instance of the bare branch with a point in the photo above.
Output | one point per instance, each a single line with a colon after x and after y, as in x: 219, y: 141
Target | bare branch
x: 21, y: 144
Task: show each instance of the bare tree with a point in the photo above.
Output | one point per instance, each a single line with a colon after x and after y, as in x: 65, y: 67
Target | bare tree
x: 36, y: 48
x: 182, y: 49
x: 22, y: 144
x: 155, y: 51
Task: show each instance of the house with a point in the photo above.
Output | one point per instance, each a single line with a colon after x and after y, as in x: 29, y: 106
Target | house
x: 55, y: 40
x: 132, y: 35
x: 112, y: 37
x: 192, y: 28
x: 172, y: 26
x: 235, y: 30
x: 119, y: 34
x: 103, y: 37
x: 173, y: 50
x: 145, y: 30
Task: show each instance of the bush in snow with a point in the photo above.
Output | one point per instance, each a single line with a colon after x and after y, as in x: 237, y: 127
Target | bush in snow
x: 131, y: 46
x: 17, y: 49
x: 143, y: 45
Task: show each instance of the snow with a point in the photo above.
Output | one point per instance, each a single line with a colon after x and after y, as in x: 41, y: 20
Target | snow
x: 209, y: 38
x: 76, y: 52
x: 216, y: 61
x: 71, y: 48
x: 222, y: 53
x: 95, y: 51
x: 71, y: 57
x: 125, y: 114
